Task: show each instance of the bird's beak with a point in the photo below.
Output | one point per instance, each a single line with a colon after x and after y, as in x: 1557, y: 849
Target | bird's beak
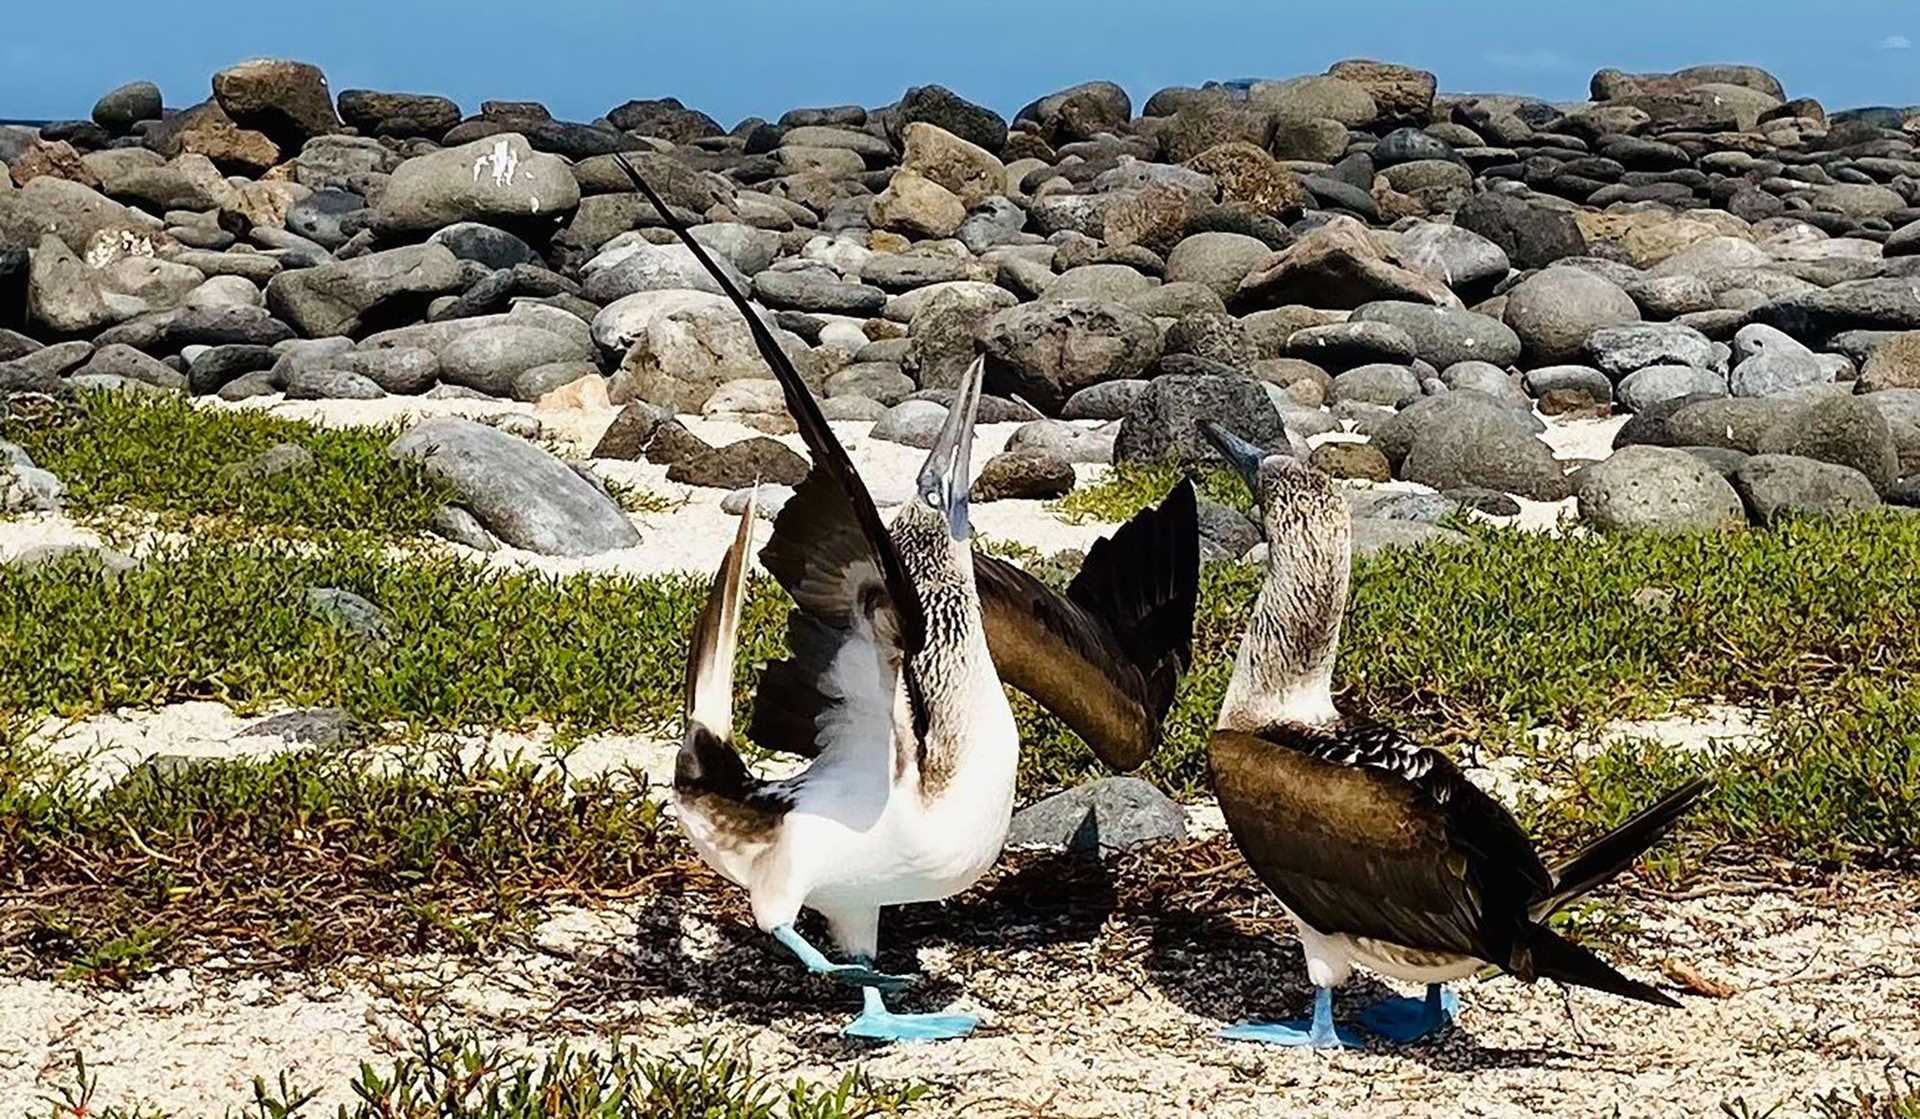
x: 947, y: 476
x: 1244, y: 457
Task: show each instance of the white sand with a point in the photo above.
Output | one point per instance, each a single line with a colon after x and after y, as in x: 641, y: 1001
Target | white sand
x: 1825, y: 997
x: 27, y: 532
x: 106, y: 746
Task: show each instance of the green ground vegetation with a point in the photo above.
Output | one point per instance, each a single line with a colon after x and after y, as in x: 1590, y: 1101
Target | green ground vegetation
x: 1465, y: 646
x: 460, y: 1077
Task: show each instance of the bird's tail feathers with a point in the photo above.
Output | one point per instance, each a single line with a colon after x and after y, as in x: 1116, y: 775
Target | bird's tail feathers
x: 1606, y: 857
x: 1555, y: 957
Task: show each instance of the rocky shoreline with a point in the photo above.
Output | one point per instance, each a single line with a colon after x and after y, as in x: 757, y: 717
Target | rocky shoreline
x: 1398, y: 284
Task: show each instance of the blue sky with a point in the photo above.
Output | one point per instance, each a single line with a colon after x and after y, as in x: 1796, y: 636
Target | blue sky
x: 744, y: 57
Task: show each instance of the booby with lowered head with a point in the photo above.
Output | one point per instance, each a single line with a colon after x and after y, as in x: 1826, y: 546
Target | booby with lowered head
x: 1382, y: 852
x: 892, y: 688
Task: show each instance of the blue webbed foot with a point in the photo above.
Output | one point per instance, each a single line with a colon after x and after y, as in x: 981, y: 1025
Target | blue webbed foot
x: 885, y: 1025
x: 857, y: 974
x: 877, y: 1023
x: 1317, y: 1033
x: 1411, y: 1019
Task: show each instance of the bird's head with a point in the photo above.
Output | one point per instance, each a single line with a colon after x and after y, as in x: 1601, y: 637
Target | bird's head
x: 948, y: 473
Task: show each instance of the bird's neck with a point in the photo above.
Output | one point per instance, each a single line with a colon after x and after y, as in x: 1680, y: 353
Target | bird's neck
x: 971, y: 737
x: 1284, y: 670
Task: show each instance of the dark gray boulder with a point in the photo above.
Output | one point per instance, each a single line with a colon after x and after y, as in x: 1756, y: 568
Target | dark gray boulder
x: 1163, y: 426
x: 520, y: 493
x: 1101, y: 817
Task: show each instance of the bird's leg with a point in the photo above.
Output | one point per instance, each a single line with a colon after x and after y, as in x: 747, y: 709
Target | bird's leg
x: 1319, y: 1032
x: 877, y: 1023
x: 857, y: 974
x: 1399, y: 1019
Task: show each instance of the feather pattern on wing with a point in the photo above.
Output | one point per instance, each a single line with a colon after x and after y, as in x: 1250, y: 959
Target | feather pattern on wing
x: 1105, y: 657
x: 829, y: 548
x: 1358, y: 832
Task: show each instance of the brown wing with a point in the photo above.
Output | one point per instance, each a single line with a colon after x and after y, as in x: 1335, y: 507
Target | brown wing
x: 829, y: 548
x: 1106, y: 657
x: 1407, y: 851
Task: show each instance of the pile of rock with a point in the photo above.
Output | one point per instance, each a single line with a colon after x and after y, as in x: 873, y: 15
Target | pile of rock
x: 1351, y: 251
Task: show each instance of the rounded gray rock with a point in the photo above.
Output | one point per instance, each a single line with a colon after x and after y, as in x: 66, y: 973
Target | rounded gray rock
x: 1103, y: 283
x: 540, y: 380
x: 1776, y: 486
x: 122, y: 108
x: 1063, y: 440
x: 1735, y: 422
x: 1457, y: 257
x: 876, y: 380
x: 1555, y: 311
x: 1657, y: 489
x: 330, y: 384
x: 1479, y: 376
x: 1620, y: 350
x: 1107, y: 401
x: 1473, y: 444
x: 1344, y: 345
x: 1770, y: 361
x: 519, y: 493
x: 1046, y: 352
x: 403, y: 370
x: 816, y: 291
x: 491, y: 358
x: 1647, y: 387
x: 1393, y: 386
x: 1843, y: 430
x: 1444, y: 336
x: 912, y: 423
x: 1163, y: 426
x: 498, y: 179
x: 624, y: 270
x: 1108, y: 815
x: 1395, y: 436
x: 344, y: 297
x: 1027, y: 474
x: 1216, y: 260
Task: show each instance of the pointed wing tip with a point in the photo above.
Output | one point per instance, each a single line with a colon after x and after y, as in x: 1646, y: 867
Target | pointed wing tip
x: 813, y: 426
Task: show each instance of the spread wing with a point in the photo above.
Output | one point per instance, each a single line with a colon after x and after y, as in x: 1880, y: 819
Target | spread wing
x: 1358, y: 832
x: 829, y: 550
x: 1106, y: 657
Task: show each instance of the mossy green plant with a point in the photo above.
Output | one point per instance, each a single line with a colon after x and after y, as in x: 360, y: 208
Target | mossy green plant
x: 461, y: 1076
x: 1128, y: 488
x: 1466, y: 646
x: 169, y: 457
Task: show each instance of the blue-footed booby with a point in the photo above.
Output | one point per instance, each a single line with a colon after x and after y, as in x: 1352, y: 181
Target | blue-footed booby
x: 1381, y: 852
x: 893, y: 687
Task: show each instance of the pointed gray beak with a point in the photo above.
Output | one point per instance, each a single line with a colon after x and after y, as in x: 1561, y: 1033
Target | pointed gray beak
x: 1244, y: 457
x: 947, y: 476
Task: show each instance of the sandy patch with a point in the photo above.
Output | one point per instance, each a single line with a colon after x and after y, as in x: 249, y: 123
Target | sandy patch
x: 1083, y: 1017
x: 28, y: 532
x: 107, y: 746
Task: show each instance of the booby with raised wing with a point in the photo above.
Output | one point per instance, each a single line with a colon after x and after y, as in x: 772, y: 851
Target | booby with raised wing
x: 891, y: 686
x: 1382, y: 852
